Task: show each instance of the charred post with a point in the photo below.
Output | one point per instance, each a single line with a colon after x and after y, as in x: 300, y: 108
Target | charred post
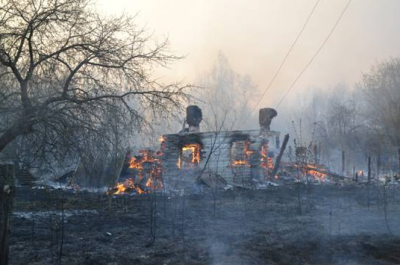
x: 278, y: 160
x: 369, y: 170
x: 343, y: 163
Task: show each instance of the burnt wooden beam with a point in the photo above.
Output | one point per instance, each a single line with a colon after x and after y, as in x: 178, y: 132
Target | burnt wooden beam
x: 278, y: 159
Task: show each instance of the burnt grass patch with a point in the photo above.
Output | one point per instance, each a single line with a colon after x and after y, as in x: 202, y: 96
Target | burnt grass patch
x: 278, y: 225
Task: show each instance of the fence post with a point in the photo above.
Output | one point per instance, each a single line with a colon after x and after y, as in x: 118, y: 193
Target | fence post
x: 6, y: 199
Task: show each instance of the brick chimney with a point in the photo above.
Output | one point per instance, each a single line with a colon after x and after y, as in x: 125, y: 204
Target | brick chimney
x: 194, y: 116
x: 265, y: 118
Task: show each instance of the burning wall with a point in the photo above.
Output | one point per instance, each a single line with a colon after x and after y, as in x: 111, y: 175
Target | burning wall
x: 240, y: 157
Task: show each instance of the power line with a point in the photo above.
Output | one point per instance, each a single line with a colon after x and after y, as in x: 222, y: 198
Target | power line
x: 316, y: 54
x: 284, y: 60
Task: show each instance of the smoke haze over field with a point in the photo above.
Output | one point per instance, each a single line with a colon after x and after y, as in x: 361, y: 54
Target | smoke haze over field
x: 255, y: 36
x: 213, y: 132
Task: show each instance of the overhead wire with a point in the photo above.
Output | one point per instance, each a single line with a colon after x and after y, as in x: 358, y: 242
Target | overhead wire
x: 316, y: 54
x: 284, y: 60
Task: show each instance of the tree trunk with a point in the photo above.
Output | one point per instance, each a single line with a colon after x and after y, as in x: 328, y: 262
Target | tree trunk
x: 8, y: 136
x: 6, y: 196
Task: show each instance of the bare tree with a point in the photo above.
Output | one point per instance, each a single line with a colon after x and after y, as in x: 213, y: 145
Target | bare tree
x: 381, y: 91
x: 335, y: 121
x: 64, y: 67
x: 226, y: 95
x: 71, y: 79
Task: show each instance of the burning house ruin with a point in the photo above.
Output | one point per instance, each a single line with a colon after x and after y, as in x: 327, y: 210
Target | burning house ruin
x: 190, y: 157
x: 235, y: 157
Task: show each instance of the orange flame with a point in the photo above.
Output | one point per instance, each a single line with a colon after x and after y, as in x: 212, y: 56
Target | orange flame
x: 189, y: 156
x: 122, y: 188
x: 266, y: 162
x: 152, y: 170
x: 247, y: 153
x: 134, y: 163
x: 194, y: 150
x: 315, y: 171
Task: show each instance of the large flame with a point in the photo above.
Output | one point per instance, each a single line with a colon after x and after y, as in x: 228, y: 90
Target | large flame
x: 189, y: 156
x: 194, y: 150
x: 148, y: 168
x: 147, y: 156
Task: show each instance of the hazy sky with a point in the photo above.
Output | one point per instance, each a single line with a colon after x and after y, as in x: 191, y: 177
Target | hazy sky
x: 256, y: 34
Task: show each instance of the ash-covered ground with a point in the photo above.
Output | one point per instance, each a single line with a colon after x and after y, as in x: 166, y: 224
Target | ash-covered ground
x: 279, y: 225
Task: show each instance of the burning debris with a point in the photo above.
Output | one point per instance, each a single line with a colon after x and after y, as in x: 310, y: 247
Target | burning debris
x: 128, y: 186
x: 142, y: 174
x: 318, y: 172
